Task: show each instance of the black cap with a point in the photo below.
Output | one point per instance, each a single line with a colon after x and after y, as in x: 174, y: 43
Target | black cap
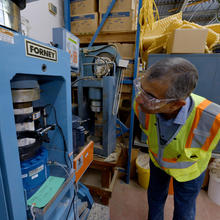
x: 20, y: 3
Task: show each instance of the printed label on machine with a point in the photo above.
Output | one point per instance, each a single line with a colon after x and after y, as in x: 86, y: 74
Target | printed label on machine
x: 40, y: 51
x: 36, y: 171
x: 35, y: 176
x: 6, y: 36
x: 72, y: 47
x: 24, y: 176
x: 36, y: 115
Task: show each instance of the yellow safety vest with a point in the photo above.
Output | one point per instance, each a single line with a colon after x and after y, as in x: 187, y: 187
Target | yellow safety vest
x: 186, y: 155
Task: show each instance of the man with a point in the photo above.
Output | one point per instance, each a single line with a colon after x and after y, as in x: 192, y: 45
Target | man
x: 182, y: 130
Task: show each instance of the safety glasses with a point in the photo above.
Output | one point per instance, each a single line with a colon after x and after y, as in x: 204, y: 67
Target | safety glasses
x: 150, y: 101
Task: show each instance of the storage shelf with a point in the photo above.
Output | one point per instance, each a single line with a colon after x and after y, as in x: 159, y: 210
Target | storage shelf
x: 119, y: 37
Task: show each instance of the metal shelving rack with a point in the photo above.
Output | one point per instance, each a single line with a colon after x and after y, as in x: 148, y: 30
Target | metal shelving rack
x: 126, y: 81
x: 133, y: 95
x: 199, y: 11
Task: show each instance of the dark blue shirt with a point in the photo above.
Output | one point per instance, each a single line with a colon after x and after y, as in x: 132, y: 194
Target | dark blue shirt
x: 167, y: 128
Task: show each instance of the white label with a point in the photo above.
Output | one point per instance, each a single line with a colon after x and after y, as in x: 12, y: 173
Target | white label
x: 35, y: 176
x: 37, y: 170
x: 6, y: 36
x: 24, y: 176
x: 37, y: 50
x: 72, y: 47
x: 123, y: 63
x: 133, y: 4
x: 36, y: 115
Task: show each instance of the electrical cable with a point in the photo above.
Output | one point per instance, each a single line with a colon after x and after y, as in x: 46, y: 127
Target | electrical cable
x: 32, y: 211
x: 72, y: 203
x: 105, y: 46
x: 63, y: 137
x: 83, y: 78
x: 74, y: 188
x: 60, y: 165
x: 98, y: 64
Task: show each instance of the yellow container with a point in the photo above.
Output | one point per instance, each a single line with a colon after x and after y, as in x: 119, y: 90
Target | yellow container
x: 143, y: 170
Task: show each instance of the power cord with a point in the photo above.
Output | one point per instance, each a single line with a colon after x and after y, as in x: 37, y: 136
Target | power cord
x: 75, y: 190
x: 86, y: 50
x: 32, y: 211
x: 82, y: 78
x: 63, y: 137
x: 72, y: 204
x: 61, y: 133
x: 50, y: 162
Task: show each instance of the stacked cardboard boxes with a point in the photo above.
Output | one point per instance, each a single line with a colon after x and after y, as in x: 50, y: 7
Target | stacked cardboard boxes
x: 123, y: 16
x: 84, y: 16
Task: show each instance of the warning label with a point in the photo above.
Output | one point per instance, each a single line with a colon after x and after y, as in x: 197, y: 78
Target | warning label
x: 6, y: 36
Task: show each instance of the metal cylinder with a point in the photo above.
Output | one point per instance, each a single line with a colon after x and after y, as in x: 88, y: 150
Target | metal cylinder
x: 96, y: 106
x: 95, y: 93
x: 25, y: 126
x: 24, y: 92
x: 10, y: 15
x: 25, y: 95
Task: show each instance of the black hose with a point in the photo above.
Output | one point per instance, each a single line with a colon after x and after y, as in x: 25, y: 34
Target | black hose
x: 83, y: 78
x: 101, y: 48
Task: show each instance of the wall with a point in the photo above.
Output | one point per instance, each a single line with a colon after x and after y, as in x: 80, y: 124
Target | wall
x: 41, y: 21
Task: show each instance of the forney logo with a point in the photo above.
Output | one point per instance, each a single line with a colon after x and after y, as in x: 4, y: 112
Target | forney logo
x: 40, y: 51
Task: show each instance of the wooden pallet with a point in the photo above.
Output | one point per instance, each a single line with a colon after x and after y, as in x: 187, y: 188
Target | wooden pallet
x: 106, y: 169
x: 119, y: 37
x: 91, y: 180
x: 100, y: 178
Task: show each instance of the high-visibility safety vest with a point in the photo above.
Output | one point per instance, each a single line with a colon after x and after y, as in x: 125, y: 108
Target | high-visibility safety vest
x: 186, y: 155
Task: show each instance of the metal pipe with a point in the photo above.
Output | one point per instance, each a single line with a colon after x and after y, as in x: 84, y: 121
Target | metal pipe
x: 102, y: 23
x: 133, y: 95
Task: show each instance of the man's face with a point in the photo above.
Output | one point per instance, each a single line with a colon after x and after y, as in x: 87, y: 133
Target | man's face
x: 153, y: 100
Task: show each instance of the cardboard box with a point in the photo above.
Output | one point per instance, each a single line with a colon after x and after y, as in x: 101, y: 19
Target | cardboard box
x: 125, y: 21
x: 82, y: 7
x: 187, y: 41
x: 84, y: 24
x: 129, y: 71
x: 126, y: 51
x: 120, y: 5
x: 126, y: 88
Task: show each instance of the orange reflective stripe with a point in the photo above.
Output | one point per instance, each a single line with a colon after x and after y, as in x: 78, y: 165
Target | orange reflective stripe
x: 213, y: 132
x: 199, y: 111
x: 172, y: 160
x: 136, y: 109
x: 147, y: 118
x: 153, y: 153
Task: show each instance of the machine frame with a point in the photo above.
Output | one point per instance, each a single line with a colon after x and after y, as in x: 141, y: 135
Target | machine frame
x: 55, y: 84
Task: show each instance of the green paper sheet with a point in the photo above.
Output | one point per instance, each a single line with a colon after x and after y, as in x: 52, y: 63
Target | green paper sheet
x: 46, y: 192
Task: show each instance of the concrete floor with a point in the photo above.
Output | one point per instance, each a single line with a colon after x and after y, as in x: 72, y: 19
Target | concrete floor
x: 129, y: 202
